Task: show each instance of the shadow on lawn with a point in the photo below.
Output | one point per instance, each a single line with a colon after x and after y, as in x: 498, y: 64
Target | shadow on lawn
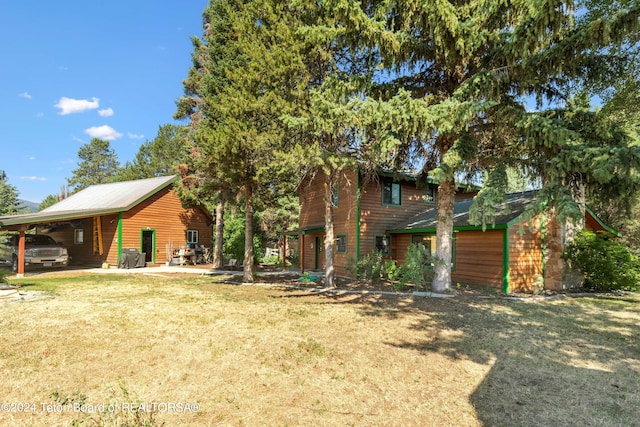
x: 570, y: 362
x: 562, y: 362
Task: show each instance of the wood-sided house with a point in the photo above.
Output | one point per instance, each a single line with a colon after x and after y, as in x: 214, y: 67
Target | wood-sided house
x: 97, y: 223
x: 363, y: 212
x: 389, y: 214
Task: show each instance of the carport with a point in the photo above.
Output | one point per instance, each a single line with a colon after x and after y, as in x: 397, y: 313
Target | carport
x: 22, y: 223
x: 100, y: 222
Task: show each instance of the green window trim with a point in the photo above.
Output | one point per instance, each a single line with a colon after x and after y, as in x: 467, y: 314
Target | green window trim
x: 379, y: 242
x: 432, y: 238
x: 388, y: 198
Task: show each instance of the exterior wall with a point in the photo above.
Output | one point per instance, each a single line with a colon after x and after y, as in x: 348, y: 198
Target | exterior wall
x: 376, y: 218
x: 311, y: 194
x: 163, y: 212
x: 525, y: 256
x: 312, y: 212
x: 82, y: 254
x: 479, y: 258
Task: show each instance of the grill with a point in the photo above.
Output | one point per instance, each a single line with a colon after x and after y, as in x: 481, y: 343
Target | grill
x: 48, y: 252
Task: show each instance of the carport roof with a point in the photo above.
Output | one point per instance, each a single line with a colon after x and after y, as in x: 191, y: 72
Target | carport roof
x: 95, y: 200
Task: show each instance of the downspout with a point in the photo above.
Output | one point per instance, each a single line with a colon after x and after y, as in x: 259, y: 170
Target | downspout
x: 119, y: 236
x: 357, y: 223
x: 505, y: 260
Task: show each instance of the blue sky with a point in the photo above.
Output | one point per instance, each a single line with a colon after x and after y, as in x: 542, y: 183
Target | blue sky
x: 72, y: 70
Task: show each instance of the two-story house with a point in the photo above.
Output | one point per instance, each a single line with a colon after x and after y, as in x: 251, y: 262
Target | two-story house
x: 389, y: 212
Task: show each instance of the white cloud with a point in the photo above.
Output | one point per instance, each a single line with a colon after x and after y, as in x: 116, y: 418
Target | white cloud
x: 33, y: 178
x: 70, y: 105
x: 135, y: 136
x: 32, y: 157
x: 107, y: 112
x: 40, y: 115
x: 25, y: 95
x: 103, y: 132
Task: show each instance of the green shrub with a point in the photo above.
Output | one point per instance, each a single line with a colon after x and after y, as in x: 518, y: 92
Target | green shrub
x: 371, y: 267
x: 607, y: 264
x: 416, y: 268
x: 391, y: 270
x: 233, y: 246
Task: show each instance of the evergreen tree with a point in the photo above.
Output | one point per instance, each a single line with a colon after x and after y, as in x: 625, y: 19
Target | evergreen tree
x: 9, y: 204
x: 458, y: 74
x: 159, y: 157
x: 50, y: 200
x: 233, y: 97
x: 98, y: 165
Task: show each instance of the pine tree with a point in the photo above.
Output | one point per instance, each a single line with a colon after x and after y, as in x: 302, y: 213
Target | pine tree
x: 457, y: 74
x: 158, y: 157
x: 98, y: 165
x: 235, y: 93
x: 9, y: 204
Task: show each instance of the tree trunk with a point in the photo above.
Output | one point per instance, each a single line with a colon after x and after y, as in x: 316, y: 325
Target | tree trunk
x: 248, y: 236
x: 329, y: 237
x: 217, y: 252
x: 444, y: 236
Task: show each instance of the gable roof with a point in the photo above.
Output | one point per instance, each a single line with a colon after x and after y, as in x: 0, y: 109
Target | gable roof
x: 426, y: 221
x: 95, y: 200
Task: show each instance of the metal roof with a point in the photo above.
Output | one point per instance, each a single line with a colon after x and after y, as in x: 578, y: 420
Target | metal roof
x: 95, y: 200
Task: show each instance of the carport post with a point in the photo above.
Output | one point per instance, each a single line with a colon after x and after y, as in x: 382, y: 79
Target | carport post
x: 20, y: 272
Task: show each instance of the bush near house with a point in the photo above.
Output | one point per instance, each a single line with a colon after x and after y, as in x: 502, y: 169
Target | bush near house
x: 606, y: 262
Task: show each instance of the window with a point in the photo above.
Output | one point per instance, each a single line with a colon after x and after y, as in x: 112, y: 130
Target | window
x: 383, y: 245
x: 78, y: 236
x: 192, y: 236
x: 391, y: 193
x: 341, y: 243
x: 429, y: 243
x: 430, y: 193
x: 335, y: 195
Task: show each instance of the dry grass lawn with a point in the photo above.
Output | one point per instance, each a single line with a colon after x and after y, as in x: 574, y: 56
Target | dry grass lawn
x: 265, y: 355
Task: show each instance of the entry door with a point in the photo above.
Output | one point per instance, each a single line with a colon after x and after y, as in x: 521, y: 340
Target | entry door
x: 148, y: 237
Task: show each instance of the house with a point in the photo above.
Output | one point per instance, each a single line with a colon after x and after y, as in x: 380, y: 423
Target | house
x: 99, y: 222
x: 364, y: 209
x: 390, y: 213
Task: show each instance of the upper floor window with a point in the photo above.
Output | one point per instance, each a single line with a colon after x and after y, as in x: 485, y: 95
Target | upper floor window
x: 335, y: 195
x: 430, y: 193
x: 391, y: 193
x: 192, y: 236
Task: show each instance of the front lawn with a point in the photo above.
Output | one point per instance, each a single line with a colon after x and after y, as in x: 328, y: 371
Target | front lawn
x: 263, y: 355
